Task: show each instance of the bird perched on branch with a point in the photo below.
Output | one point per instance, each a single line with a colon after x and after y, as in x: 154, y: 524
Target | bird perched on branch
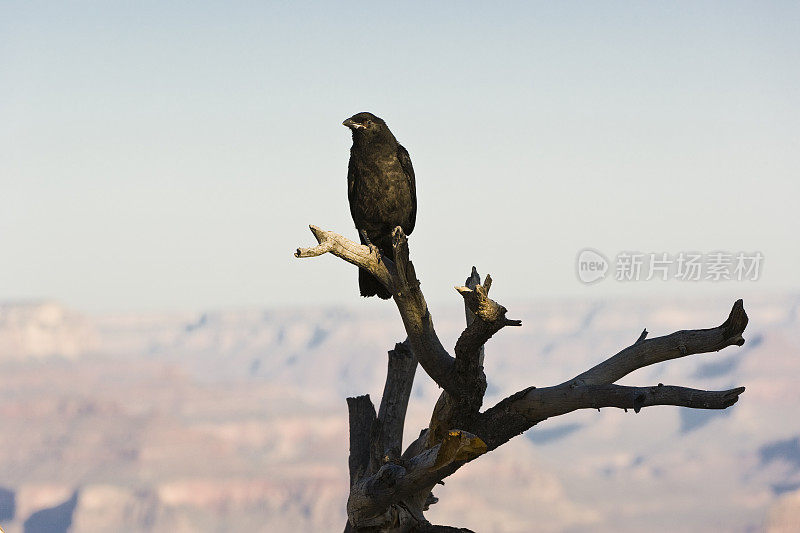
x: 381, y: 190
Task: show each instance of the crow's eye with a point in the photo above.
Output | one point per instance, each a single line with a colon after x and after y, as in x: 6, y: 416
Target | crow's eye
x: 368, y: 123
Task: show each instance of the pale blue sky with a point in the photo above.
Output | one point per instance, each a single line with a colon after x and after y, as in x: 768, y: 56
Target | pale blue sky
x: 170, y: 155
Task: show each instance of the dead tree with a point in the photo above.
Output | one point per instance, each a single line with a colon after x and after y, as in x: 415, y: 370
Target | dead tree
x: 389, y: 490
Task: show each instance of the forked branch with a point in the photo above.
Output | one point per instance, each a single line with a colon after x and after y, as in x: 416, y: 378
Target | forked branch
x: 389, y: 491
x: 397, y: 274
x: 594, y: 388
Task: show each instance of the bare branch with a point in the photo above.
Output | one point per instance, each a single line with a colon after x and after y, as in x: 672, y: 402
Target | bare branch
x: 594, y: 388
x: 679, y: 344
x: 394, y: 403
x: 473, y: 281
x: 357, y: 254
x: 417, y: 318
x: 484, y: 318
x: 443, y: 411
x: 541, y: 404
x: 489, y: 318
x: 401, y: 280
x: 516, y: 414
x: 477, y: 300
x: 362, y: 418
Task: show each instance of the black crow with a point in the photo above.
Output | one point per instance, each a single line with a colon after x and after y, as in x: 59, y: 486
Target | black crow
x: 381, y: 190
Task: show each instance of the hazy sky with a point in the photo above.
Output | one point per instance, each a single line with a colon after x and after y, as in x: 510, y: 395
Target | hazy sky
x: 170, y: 155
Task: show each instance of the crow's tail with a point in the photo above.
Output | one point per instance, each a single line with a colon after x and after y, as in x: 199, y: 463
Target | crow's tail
x: 370, y: 286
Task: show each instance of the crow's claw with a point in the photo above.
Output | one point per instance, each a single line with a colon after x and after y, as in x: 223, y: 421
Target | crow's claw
x: 372, y: 248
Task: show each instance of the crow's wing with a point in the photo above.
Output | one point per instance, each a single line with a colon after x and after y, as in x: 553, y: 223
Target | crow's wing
x: 408, y: 170
x: 351, y: 188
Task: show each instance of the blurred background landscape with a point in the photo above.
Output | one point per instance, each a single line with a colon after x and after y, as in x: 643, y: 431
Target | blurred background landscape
x: 167, y: 365
x: 236, y: 420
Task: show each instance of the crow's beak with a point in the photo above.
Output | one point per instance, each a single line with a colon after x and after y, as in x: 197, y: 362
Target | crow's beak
x: 352, y: 124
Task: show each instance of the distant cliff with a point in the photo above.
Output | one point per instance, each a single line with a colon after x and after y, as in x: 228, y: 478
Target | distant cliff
x: 179, y: 422
x: 43, y: 329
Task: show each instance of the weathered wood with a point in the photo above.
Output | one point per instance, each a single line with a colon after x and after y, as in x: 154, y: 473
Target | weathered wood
x: 394, y: 403
x: 471, y: 282
x: 432, y: 356
x: 523, y: 410
x: 513, y: 416
x: 397, y: 489
x: 389, y: 491
x: 362, y: 418
x: 679, y: 344
x: 484, y: 317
